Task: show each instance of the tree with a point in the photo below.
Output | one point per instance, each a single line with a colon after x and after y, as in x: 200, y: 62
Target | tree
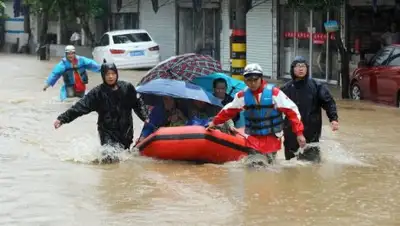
x: 84, y: 10
x: 324, y: 5
x: 43, y: 9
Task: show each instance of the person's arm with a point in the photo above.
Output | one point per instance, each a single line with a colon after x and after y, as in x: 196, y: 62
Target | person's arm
x: 285, y: 105
x: 84, y: 106
x: 230, y: 123
x: 136, y: 103
x: 55, y: 74
x: 230, y: 110
x: 156, y: 117
x: 327, y: 102
x: 90, y: 64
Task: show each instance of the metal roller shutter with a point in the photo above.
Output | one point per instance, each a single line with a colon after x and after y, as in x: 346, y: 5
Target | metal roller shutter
x: 160, y: 25
x: 259, y: 36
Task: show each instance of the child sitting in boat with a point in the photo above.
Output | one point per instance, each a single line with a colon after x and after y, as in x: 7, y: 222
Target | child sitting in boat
x: 165, y: 115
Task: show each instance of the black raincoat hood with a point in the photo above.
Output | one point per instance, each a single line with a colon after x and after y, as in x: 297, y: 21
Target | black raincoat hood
x: 108, y: 66
x: 299, y: 59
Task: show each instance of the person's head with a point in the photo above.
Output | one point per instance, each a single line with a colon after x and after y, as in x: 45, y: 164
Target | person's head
x: 109, y: 73
x: 299, y: 68
x: 220, y: 87
x: 169, y: 102
x: 70, y: 52
x: 253, y: 74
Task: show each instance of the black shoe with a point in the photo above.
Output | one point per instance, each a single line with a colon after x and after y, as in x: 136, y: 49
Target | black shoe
x: 310, y: 154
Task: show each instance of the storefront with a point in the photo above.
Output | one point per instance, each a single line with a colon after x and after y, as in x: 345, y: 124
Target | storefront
x: 295, y: 40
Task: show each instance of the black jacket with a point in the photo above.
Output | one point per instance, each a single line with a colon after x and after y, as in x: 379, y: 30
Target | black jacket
x: 309, y: 96
x: 114, y: 108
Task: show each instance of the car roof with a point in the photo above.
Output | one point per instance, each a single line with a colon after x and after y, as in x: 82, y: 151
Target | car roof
x: 120, y: 32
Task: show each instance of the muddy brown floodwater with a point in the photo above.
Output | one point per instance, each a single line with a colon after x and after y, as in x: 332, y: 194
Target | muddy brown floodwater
x: 45, y: 177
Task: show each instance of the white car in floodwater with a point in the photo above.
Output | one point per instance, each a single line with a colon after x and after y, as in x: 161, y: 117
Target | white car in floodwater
x: 128, y: 49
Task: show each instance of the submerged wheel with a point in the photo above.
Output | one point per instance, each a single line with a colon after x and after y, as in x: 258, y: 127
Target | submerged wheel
x: 398, y: 99
x: 355, y: 92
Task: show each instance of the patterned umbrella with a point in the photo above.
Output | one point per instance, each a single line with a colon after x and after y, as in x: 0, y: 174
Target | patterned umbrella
x: 184, y: 67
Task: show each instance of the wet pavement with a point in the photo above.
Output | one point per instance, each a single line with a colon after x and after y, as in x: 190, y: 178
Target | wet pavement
x: 46, y: 177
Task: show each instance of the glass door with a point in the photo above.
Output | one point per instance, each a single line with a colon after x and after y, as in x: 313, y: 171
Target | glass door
x: 303, y: 37
x: 198, y: 31
x: 288, y: 43
x: 319, y: 43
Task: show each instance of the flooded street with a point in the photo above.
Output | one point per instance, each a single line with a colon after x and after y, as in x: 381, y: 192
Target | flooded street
x: 46, y: 178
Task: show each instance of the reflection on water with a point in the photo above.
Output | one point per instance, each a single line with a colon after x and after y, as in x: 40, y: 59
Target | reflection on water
x: 47, y: 179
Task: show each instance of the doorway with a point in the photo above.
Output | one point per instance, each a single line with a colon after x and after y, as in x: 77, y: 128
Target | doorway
x: 198, y: 32
x: 305, y: 36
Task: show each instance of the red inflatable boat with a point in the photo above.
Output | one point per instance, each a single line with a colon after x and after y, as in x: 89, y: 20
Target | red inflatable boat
x: 193, y: 143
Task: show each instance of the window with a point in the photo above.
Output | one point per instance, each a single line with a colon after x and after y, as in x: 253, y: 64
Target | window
x: 104, y: 41
x: 287, y: 26
x: 131, y: 38
x: 381, y: 57
x: 125, y: 21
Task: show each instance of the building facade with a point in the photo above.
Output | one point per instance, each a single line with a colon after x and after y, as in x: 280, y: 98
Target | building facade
x: 179, y: 28
x: 275, y: 32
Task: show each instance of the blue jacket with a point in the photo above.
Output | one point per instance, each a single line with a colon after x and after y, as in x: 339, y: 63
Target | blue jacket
x: 262, y: 118
x: 64, y: 68
x: 156, y: 120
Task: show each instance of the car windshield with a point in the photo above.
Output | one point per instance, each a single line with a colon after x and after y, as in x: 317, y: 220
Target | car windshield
x: 131, y: 38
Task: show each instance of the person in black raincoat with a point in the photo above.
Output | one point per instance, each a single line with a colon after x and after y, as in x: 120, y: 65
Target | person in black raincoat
x: 113, y: 100
x: 310, y: 96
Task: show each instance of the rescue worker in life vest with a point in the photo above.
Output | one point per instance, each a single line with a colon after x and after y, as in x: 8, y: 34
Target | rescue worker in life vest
x: 310, y: 96
x: 73, y: 70
x: 263, y: 105
x: 113, y: 101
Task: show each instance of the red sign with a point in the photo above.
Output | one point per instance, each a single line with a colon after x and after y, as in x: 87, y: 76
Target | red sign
x: 306, y: 35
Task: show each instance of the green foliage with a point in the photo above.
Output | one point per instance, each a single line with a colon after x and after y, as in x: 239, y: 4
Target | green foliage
x: 38, y: 6
x: 85, y: 8
x: 317, y: 5
x: 75, y: 8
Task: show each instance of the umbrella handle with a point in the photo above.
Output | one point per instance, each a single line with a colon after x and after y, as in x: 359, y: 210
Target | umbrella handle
x: 233, y: 88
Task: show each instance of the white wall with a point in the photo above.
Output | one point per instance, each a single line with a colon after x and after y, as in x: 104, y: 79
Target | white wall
x: 14, y: 26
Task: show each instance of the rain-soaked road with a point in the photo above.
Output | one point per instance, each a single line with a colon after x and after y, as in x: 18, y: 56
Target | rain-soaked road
x: 45, y: 178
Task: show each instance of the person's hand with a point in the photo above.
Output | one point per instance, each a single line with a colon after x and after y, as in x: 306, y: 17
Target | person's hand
x: 139, y: 140
x: 301, y: 140
x: 45, y: 87
x: 210, y: 126
x: 335, y: 125
x: 57, y: 124
x: 233, y: 130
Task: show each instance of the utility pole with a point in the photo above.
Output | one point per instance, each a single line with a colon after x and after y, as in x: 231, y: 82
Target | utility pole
x: 238, y: 38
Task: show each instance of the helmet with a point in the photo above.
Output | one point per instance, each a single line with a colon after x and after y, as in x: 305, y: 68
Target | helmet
x: 253, y: 70
x: 69, y: 49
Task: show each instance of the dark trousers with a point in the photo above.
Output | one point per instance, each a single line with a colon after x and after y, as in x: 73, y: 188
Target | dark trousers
x: 108, y: 138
